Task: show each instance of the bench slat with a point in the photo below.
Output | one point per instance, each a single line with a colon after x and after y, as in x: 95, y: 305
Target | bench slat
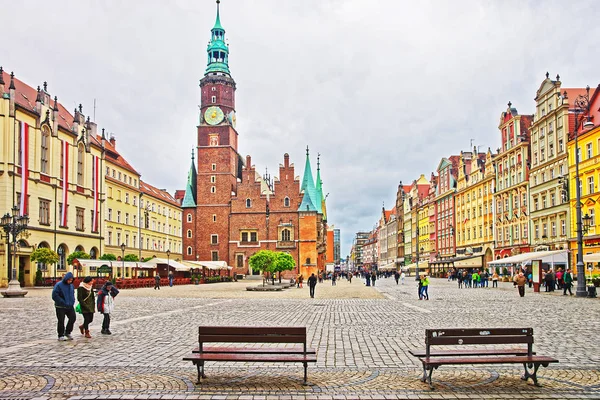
x: 438, y: 361
x: 479, y: 332
x: 469, y: 352
x: 462, y: 340
x: 251, y: 357
x: 251, y: 330
x: 255, y: 350
x: 250, y: 339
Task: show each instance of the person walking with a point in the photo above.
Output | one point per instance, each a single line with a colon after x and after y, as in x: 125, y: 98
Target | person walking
x: 333, y: 279
x: 106, y: 305
x: 368, y: 279
x: 559, y: 278
x: 548, y: 278
x: 485, y: 276
x: 373, y: 278
x: 520, y: 281
x: 495, y: 279
x: 170, y: 279
x: 459, y: 278
x: 85, y: 297
x: 567, y: 282
x: 397, y: 276
x: 157, y: 281
x: 425, y: 287
x: 476, y: 279
x: 402, y: 276
x: 312, y: 283
x: 301, y: 281
x: 63, y: 295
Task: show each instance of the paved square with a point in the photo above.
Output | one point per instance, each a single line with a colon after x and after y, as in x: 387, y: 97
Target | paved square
x: 362, y: 335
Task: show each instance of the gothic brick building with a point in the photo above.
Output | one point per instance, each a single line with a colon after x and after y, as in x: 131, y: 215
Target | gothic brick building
x: 231, y: 211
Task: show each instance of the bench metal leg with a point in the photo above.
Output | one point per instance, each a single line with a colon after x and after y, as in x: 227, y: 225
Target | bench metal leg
x: 427, y: 372
x: 533, y: 375
x: 200, y: 368
x: 305, y: 374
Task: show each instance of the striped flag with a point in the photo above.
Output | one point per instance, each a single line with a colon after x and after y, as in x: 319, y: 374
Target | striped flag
x: 23, y: 207
x: 95, y: 186
x: 65, y: 183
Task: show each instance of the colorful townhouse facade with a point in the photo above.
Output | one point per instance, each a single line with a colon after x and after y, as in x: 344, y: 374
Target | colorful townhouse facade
x: 550, y: 223
x: 588, y: 142
x: 512, y: 163
x: 474, y: 208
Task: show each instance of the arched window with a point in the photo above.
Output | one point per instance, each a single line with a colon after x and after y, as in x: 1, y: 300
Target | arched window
x: 286, y: 202
x: 80, y: 154
x: 189, y: 250
x: 189, y: 217
x: 285, y: 235
x: 93, y: 253
x: 189, y: 233
x: 45, y: 151
x: 62, y: 257
x: 248, y: 203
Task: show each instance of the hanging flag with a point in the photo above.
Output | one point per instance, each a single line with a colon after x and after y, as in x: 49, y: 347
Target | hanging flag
x: 65, y: 183
x: 95, y: 187
x: 23, y: 207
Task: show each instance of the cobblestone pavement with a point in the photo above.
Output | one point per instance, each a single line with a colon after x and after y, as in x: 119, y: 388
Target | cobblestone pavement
x: 362, y: 336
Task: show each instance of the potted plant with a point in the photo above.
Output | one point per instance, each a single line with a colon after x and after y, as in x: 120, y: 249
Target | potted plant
x: 596, y: 280
x: 505, y: 277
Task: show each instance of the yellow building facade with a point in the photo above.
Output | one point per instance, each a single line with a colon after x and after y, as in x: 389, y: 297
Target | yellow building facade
x: 49, y: 169
x: 474, y: 210
x: 589, y: 173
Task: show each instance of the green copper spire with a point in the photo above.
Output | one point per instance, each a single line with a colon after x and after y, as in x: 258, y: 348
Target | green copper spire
x: 218, y: 50
x: 189, y: 200
x: 308, y: 187
x: 319, y: 190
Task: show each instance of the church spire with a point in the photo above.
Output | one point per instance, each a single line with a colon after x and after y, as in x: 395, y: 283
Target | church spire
x: 218, y: 50
x: 308, y: 187
x: 318, y: 192
x: 189, y: 199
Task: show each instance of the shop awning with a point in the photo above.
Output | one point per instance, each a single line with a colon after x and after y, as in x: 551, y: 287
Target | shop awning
x: 208, y: 264
x: 554, y: 256
x: 591, y: 258
x: 172, y: 263
x: 413, y: 267
x: 471, y: 262
x: 91, y: 263
x: 388, y: 267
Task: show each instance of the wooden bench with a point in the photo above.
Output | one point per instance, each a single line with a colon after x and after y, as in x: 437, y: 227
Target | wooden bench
x: 458, y: 338
x: 246, y: 335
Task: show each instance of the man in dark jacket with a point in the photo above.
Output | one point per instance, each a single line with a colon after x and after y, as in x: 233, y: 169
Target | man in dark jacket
x: 63, y: 295
x: 312, y: 282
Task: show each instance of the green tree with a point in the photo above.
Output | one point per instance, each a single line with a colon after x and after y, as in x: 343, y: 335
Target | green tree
x: 45, y: 256
x: 78, y: 254
x: 131, y: 257
x: 108, y: 257
x: 283, y: 262
x: 262, y: 261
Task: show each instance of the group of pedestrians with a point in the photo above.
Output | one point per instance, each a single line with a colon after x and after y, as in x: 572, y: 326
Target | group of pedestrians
x: 63, y: 295
x: 473, y: 279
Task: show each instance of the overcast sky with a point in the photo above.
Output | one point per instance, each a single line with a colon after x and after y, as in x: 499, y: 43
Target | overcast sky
x: 382, y: 89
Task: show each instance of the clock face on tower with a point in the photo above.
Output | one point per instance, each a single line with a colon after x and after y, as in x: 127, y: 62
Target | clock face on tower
x: 231, y: 118
x: 213, y: 115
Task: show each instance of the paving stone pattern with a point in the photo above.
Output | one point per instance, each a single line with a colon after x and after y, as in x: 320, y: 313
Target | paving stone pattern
x: 362, y: 336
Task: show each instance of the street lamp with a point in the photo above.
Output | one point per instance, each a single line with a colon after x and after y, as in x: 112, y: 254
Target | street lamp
x: 13, y: 224
x: 582, y: 106
x: 417, y: 268
x: 168, y: 261
x: 123, y: 259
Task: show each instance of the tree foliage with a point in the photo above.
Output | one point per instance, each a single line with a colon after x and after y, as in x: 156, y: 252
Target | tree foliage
x: 262, y: 261
x: 108, y: 257
x: 77, y: 254
x: 45, y: 256
x: 283, y: 262
x: 131, y: 257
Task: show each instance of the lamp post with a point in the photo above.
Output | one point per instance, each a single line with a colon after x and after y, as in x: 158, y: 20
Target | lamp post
x: 13, y: 225
x: 582, y: 106
x: 417, y: 268
x: 168, y: 261
x: 123, y: 260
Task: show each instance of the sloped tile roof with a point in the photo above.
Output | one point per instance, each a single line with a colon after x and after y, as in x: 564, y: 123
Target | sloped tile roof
x: 158, y: 193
